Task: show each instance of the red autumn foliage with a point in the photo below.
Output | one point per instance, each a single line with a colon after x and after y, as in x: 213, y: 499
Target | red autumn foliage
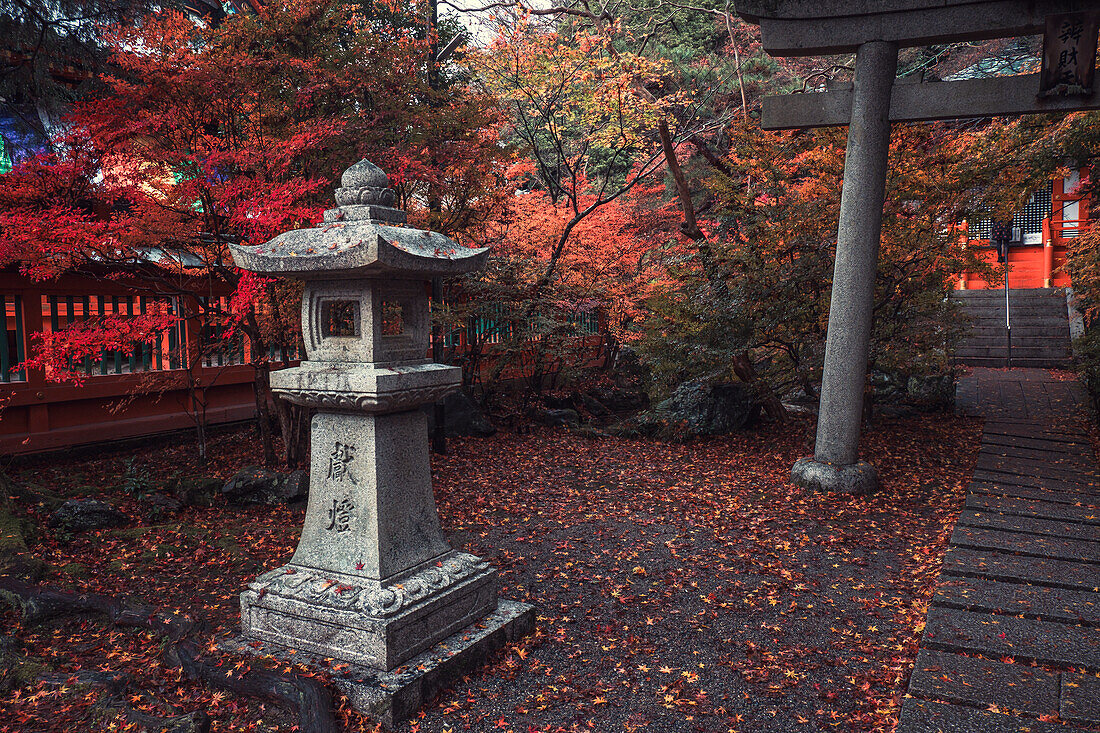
x: 207, y: 135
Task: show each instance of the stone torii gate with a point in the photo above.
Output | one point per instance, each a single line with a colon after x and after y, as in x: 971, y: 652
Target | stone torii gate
x: 874, y: 30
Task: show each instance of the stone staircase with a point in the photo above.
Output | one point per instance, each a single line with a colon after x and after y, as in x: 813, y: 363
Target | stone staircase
x: 1040, y: 328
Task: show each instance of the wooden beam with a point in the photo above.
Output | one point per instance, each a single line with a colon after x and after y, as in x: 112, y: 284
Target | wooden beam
x: 813, y: 28
x: 942, y: 100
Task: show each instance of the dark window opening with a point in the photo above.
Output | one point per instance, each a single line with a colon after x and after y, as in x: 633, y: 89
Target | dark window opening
x: 340, y: 318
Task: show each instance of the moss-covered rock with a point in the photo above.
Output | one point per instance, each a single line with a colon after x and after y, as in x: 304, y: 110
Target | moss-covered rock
x: 16, y: 671
x: 195, y: 491
x: 15, y: 558
x: 74, y: 570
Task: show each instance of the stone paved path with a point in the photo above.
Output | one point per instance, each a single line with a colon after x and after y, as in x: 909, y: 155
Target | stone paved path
x: 1012, y: 640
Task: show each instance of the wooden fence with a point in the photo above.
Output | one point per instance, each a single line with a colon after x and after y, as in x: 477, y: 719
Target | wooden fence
x: 37, y: 414
x: 150, y: 389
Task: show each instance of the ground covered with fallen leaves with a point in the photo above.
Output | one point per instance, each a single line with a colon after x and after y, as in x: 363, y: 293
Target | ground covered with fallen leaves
x: 680, y: 586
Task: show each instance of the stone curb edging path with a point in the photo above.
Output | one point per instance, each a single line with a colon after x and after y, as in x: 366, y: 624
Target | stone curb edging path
x: 1012, y: 639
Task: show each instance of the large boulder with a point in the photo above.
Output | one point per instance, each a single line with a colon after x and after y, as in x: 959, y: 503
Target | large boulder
x: 84, y: 515
x: 259, y: 485
x: 293, y: 486
x: 161, y: 504
x: 462, y: 416
x: 618, y: 399
x: 553, y: 418
x: 629, y: 369
x: 195, y: 491
x: 710, y: 408
x: 15, y: 559
x: 932, y: 393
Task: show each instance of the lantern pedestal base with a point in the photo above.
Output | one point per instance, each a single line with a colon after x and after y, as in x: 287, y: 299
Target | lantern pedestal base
x: 390, y: 697
x: 365, y: 622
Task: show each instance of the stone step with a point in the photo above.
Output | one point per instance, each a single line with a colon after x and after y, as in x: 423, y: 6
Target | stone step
x: 1080, y: 461
x: 982, y: 682
x: 1001, y: 338
x: 983, y: 595
x: 1032, y: 467
x: 1047, y: 334
x: 1006, y: 444
x: 1045, y: 642
x: 1030, y: 545
x: 1029, y: 301
x: 1053, y: 305
x: 996, y: 330
x: 1085, y: 502
x: 1016, y: 569
x: 924, y: 716
x: 1052, y: 336
x: 1088, y: 514
x: 1031, y: 429
x: 1025, y: 334
x: 1063, y: 345
x: 968, y: 296
x: 988, y: 292
x: 999, y: 362
x: 1022, y: 319
x: 1028, y: 327
x: 1030, y: 525
x: 997, y: 458
x: 1082, y: 486
x: 976, y: 296
x: 1020, y: 329
x: 999, y: 299
x: 994, y: 315
x: 1080, y: 698
x: 1019, y: 351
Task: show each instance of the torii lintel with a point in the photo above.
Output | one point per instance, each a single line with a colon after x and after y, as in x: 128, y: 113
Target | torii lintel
x: 820, y: 27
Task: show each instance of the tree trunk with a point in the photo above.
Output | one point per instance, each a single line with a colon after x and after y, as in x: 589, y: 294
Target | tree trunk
x: 294, y: 427
x: 746, y: 372
x: 261, y: 386
x: 689, y: 227
x: 262, y: 389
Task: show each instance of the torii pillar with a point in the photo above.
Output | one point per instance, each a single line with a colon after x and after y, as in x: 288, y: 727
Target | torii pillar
x: 875, y: 32
x: 835, y: 465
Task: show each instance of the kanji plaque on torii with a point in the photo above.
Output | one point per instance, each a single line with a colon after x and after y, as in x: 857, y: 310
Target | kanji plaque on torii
x: 874, y: 30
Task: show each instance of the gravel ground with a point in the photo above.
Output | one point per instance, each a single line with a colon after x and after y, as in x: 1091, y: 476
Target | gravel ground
x: 680, y: 587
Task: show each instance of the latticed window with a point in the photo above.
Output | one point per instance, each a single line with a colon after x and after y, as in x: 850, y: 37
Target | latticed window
x: 1035, y: 210
x: 1029, y: 219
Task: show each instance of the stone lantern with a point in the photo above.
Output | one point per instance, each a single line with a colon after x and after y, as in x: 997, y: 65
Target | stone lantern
x: 373, y: 582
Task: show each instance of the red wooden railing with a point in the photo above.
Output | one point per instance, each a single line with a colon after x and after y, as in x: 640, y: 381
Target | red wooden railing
x: 37, y: 413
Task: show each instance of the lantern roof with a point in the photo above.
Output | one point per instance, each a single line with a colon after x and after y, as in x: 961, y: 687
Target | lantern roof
x: 363, y: 237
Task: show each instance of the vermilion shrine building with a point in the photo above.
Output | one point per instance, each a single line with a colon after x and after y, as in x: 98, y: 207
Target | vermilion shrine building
x: 1055, y: 214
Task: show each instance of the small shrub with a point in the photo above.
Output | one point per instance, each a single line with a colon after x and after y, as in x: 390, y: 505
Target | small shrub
x: 136, y: 479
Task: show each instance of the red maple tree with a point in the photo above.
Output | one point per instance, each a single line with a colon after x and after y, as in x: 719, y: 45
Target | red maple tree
x: 207, y: 135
